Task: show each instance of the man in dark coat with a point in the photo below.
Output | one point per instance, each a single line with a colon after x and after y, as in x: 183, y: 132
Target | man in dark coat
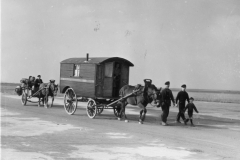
x: 38, y: 81
x: 31, y: 82
x: 167, y: 96
x: 182, y: 96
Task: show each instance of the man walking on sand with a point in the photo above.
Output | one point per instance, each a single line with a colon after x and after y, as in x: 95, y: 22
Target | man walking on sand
x: 182, y: 96
x: 167, y: 96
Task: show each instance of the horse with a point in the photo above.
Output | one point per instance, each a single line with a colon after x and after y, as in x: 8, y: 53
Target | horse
x: 47, y: 90
x: 141, y: 98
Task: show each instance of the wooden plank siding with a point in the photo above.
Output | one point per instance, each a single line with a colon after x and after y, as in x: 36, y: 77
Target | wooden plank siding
x: 66, y: 74
x: 66, y: 70
x: 82, y: 89
x: 87, y: 73
x: 66, y: 67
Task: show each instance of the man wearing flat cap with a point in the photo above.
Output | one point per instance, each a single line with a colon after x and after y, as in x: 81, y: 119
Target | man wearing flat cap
x: 182, y: 96
x: 167, y: 96
x: 38, y: 81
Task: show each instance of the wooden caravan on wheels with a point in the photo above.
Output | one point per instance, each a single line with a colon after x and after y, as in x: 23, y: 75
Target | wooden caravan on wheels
x: 94, y: 77
x: 96, y: 80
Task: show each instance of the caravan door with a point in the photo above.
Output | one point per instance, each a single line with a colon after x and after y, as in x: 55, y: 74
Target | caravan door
x: 124, y: 75
x: 99, y: 81
x: 108, y: 79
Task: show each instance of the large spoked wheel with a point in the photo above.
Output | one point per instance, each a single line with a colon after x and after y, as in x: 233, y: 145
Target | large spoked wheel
x: 70, y: 101
x: 24, y: 99
x: 91, y: 108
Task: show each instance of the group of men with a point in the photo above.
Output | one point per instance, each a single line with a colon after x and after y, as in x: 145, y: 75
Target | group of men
x: 182, y: 97
x: 34, y: 84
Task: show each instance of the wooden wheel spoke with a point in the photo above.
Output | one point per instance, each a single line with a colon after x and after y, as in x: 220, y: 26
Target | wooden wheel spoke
x: 68, y: 107
x: 72, y: 107
x: 90, y: 112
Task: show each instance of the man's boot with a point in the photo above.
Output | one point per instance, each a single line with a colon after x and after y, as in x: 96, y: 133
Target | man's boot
x: 178, y: 121
x: 164, y: 124
x: 192, y: 123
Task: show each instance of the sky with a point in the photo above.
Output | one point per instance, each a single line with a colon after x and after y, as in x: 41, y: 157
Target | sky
x: 193, y: 42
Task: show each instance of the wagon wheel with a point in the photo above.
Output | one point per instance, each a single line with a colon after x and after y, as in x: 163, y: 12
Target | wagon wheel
x: 91, y: 108
x: 24, y: 99
x: 70, y: 101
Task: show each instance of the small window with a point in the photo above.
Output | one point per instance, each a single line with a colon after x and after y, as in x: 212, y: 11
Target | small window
x: 109, y: 69
x: 76, y: 71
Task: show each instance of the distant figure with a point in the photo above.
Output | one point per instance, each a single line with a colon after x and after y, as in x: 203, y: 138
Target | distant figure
x: 167, y: 96
x: 30, y: 85
x: 182, y: 96
x: 38, y: 81
x: 190, y: 107
x: 33, y: 82
x: 29, y: 78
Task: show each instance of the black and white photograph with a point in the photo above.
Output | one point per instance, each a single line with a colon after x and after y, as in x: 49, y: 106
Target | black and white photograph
x: 120, y: 80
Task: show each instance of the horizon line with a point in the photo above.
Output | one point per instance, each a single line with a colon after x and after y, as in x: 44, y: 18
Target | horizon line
x: 178, y: 89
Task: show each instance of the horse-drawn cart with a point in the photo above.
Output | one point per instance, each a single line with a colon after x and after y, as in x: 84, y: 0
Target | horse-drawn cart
x: 42, y: 92
x: 25, y: 98
x: 96, y: 80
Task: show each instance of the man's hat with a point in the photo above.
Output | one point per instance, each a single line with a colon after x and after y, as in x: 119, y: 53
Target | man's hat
x: 39, y: 76
x: 167, y: 83
x: 184, y: 86
x: 191, y: 98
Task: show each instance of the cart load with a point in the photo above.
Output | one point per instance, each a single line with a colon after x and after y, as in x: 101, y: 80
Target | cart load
x: 18, y: 90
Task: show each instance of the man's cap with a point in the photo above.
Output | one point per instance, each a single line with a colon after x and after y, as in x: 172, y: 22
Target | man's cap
x: 184, y: 86
x: 167, y: 83
x: 39, y: 76
x: 191, y: 98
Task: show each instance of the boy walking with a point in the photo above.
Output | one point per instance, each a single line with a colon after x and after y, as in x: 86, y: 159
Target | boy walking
x: 190, y: 107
